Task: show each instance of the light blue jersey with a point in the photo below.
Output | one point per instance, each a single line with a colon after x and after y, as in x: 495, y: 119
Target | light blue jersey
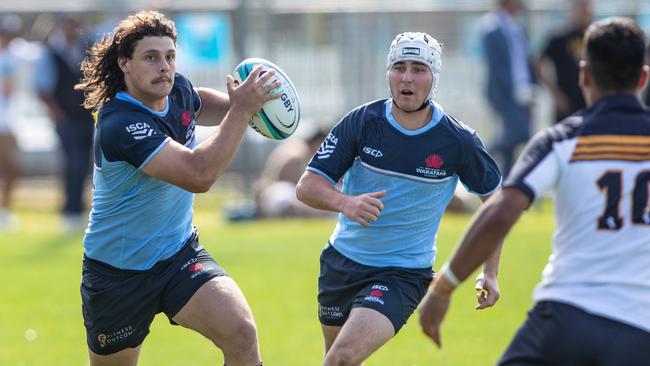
x: 418, y: 169
x: 137, y: 220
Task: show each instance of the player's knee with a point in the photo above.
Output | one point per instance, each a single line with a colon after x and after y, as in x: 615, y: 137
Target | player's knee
x: 241, y: 340
x: 342, y: 356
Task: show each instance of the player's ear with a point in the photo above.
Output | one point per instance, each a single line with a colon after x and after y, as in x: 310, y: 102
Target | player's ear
x: 122, y: 63
x: 643, y: 78
x: 584, y: 79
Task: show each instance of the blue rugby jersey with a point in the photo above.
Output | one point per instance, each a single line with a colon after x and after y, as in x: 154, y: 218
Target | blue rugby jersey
x: 137, y: 220
x: 418, y: 169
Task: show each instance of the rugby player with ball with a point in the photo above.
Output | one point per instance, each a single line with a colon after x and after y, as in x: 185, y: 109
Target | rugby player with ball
x: 141, y: 252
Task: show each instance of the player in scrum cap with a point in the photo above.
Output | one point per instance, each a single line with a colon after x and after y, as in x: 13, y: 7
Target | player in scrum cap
x: 400, y: 160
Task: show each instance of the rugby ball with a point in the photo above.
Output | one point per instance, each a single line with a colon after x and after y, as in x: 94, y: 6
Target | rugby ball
x: 278, y: 118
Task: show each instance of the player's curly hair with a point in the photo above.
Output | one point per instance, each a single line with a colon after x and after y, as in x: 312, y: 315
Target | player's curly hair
x: 102, y: 76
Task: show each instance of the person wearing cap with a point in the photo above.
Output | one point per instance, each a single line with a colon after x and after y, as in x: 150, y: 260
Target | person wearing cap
x: 400, y: 159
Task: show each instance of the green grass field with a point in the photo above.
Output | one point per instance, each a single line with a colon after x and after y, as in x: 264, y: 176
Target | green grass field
x: 276, y: 265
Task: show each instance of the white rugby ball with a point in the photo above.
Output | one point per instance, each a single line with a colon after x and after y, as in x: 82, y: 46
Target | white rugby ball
x: 278, y: 118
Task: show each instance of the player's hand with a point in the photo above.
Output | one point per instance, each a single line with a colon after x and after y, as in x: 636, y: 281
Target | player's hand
x: 432, y: 312
x: 250, y: 95
x: 487, y: 290
x: 364, y: 208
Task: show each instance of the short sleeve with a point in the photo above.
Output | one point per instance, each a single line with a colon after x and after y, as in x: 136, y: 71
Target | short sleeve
x: 131, y: 138
x: 536, y: 169
x: 339, y: 149
x: 478, y: 171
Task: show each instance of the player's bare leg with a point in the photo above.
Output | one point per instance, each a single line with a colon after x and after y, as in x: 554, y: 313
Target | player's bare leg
x: 329, y: 335
x: 362, y: 334
x: 125, y: 357
x: 219, y: 311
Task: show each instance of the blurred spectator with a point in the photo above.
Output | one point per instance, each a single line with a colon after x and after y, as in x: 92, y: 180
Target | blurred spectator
x: 9, y: 153
x: 509, y: 77
x: 55, y: 82
x: 563, y: 52
x: 276, y: 189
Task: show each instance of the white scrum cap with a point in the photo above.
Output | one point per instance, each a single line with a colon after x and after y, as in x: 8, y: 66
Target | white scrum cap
x: 419, y: 47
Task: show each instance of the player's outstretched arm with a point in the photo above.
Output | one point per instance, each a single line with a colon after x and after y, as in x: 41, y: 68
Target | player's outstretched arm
x: 195, y: 170
x: 487, y: 230
x: 318, y: 192
x: 487, y: 285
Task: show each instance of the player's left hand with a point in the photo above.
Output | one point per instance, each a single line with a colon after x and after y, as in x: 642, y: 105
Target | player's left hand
x: 487, y: 290
x: 432, y: 311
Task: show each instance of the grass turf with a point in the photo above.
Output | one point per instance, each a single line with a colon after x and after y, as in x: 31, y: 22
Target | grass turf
x: 276, y: 265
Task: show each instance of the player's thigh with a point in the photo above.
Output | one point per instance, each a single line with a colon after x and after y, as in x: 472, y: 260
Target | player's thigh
x: 218, y: 310
x: 330, y: 333
x: 362, y: 334
x: 126, y: 357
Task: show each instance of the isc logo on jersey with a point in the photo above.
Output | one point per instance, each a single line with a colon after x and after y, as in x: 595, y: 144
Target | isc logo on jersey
x: 372, y: 152
x: 140, y: 130
x: 327, y: 147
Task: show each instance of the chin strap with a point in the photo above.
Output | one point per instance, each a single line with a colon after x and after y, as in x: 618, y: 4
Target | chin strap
x: 423, y: 106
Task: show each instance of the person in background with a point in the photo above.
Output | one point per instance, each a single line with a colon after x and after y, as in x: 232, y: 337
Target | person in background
x: 510, y: 78
x: 400, y: 159
x: 558, y: 67
x: 9, y: 153
x: 591, y: 307
x: 58, y: 72
x: 276, y: 188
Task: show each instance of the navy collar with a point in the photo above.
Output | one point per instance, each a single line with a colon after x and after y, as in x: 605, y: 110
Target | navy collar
x: 626, y: 101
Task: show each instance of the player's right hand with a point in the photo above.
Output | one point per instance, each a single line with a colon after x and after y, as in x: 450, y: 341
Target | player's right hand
x: 250, y: 95
x: 364, y: 208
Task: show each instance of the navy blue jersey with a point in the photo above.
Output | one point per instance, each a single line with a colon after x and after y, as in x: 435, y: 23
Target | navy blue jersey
x: 137, y: 220
x: 418, y: 169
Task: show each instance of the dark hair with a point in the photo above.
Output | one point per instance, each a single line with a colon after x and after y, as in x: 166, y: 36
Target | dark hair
x: 102, y: 76
x: 614, y: 49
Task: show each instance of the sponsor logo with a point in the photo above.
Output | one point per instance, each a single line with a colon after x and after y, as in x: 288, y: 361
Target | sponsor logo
x: 195, y: 267
x: 189, y: 263
x: 372, y: 152
x: 115, y: 337
x: 330, y: 311
x: 415, y: 51
x: 434, y: 161
x: 190, y: 130
x: 186, y: 118
x: 432, y: 165
x: 433, y: 173
x: 380, y: 287
x: 327, y: 147
x: 373, y: 299
x: 140, y: 130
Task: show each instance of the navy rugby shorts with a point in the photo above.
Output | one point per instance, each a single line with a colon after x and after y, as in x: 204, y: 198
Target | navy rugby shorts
x: 119, y: 305
x: 559, y: 334
x: 344, y: 284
